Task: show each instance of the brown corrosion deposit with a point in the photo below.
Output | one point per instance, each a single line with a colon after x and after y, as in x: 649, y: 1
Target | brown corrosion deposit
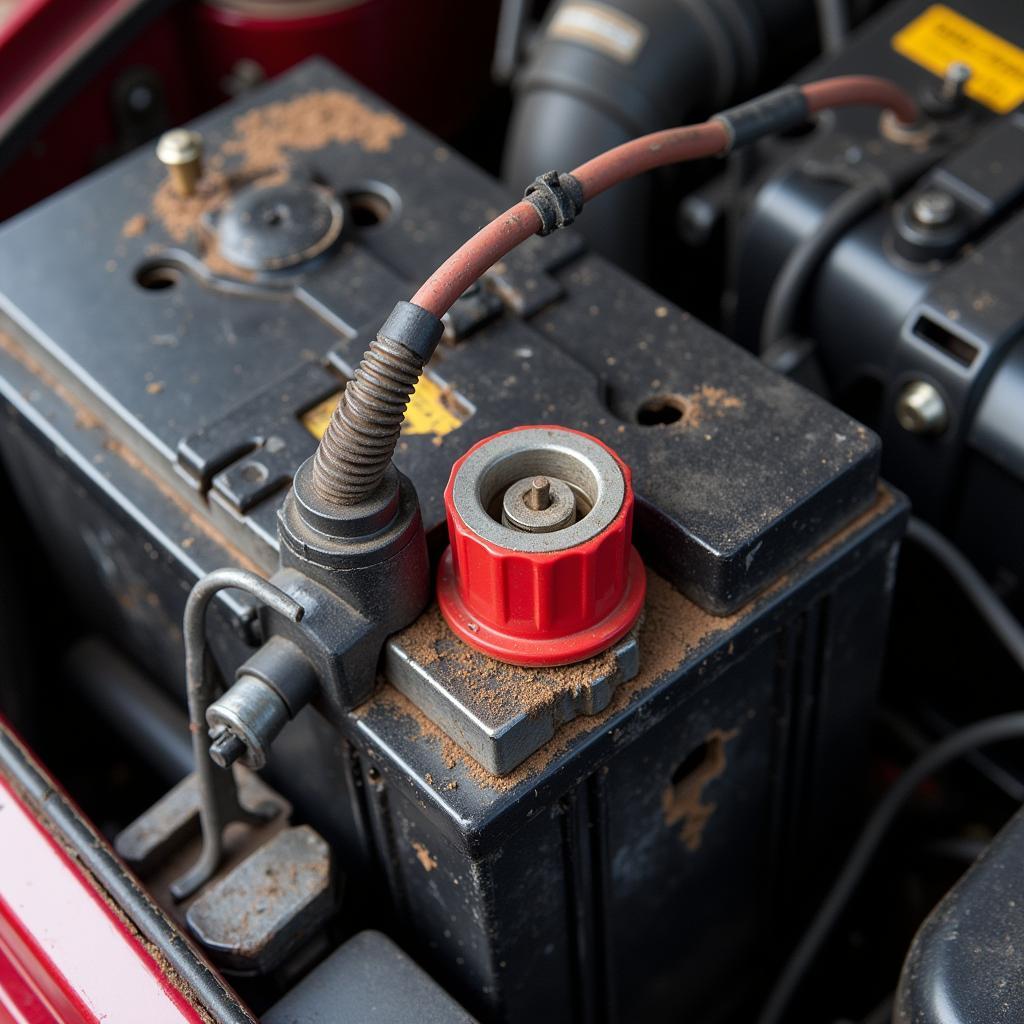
x: 261, y: 142
x: 672, y: 627
x: 134, y: 226
x: 507, y: 689
x: 683, y: 800
x: 310, y: 121
x: 181, y: 215
x: 423, y: 855
x: 704, y: 402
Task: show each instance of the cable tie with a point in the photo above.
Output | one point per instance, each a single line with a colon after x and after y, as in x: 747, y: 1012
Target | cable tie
x: 557, y: 198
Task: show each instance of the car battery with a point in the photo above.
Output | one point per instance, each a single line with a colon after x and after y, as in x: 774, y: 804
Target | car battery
x: 605, y: 841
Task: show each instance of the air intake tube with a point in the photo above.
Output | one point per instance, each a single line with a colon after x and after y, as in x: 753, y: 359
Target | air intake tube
x: 602, y: 73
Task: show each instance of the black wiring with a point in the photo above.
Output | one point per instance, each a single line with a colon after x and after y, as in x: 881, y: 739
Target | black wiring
x: 791, y: 281
x: 988, y: 731
x: 833, y: 24
x: 985, y: 600
x: 958, y: 744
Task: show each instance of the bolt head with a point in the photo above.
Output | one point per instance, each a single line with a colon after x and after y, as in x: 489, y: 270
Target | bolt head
x: 921, y: 409
x: 179, y: 146
x: 934, y: 208
x: 957, y: 75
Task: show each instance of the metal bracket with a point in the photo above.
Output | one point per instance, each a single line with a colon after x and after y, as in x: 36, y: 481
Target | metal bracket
x: 219, y: 804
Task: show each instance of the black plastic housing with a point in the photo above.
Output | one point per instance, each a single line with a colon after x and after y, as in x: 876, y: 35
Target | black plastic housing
x: 893, y: 301
x: 964, y: 964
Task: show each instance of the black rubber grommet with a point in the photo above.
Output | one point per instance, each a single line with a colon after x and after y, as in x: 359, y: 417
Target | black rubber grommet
x: 773, y: 112
x: 557, y: 198
x: 415, y: 328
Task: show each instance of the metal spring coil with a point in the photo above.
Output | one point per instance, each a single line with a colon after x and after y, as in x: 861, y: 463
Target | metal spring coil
x: 359, y: 441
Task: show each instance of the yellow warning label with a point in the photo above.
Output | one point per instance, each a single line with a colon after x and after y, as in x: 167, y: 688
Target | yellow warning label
x: 939, y: 37
x: 429, y: 412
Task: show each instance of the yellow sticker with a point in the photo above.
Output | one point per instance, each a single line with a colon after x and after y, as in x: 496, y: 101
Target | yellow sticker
x: 939, y: 37
x: 429, y: 412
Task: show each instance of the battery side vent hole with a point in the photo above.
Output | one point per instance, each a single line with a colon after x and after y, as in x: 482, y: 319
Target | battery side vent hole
x: 683, y: 801
x: 661, y: 411
x: 709, y: 750
x: 157, y: 276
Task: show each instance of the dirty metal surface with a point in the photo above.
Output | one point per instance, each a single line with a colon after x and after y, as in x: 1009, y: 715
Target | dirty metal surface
x: 203, y: 371
x: 257, y: 913
x: 173, y: 821
x: 499, y: 714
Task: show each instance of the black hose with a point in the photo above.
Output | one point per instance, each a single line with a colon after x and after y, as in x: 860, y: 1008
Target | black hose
x: 803, y: 261
x: 980, y: 734
x: 999, y: 618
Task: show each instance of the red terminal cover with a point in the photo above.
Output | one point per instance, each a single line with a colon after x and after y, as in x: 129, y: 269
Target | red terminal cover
x: 541, y: 608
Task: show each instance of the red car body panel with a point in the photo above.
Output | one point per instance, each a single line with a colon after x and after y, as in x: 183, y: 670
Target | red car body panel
x: 66, y: 957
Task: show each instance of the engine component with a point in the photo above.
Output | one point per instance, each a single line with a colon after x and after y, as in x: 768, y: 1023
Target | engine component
x: 368, y: 978
x: 964, y: 964
x: 909, y: 292
x: 260, y: 911
x: 541, y: 569
x: 271, y: 688
x: 706, y: 764
x: 603, y: 73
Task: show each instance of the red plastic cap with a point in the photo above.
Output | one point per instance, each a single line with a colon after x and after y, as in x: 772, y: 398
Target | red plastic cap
x: 549, y: 598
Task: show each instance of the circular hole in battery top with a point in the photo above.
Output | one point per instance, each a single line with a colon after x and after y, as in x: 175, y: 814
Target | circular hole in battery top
x: 661, y: 410
x: 157, y: 276
x: 369, y: 207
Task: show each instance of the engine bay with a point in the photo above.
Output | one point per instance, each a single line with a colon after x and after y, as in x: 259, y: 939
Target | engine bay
x: 624, y: 625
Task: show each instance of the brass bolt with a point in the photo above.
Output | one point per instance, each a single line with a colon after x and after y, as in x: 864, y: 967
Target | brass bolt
x: 181, y: 152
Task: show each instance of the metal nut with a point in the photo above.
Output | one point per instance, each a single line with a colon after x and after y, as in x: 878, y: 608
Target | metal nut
x: 934, y: 208
x: 921, y: 409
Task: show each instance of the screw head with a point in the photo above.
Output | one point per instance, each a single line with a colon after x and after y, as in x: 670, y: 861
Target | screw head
x: 921, y: 409
x: 934, y: 208
x: 226, y: 748
x: 179, y: 146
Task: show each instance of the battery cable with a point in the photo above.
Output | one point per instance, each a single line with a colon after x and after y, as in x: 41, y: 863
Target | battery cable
x: 773, y: 112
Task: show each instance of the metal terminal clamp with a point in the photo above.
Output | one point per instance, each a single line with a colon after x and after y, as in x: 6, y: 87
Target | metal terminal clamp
x: 219, y: 804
